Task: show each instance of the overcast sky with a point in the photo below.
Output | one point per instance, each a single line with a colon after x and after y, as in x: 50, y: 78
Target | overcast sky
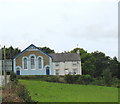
x: 60, y: 24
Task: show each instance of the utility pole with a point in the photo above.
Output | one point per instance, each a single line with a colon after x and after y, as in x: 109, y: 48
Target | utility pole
x: 5, y: 66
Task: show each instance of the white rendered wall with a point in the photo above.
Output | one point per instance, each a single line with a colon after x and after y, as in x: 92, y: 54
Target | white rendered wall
x: 67, y: 65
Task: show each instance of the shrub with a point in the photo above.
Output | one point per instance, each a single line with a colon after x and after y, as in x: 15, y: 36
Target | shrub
x: 13, y: 77
x: 51, y: 79
x: 70, y: 79
x: 98, y: 82
x: 107, y: 77
x: 85, y: 79
x: 23, y: 93
x: 115, y: 82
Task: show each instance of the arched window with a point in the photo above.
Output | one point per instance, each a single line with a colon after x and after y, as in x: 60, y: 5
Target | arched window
x: 39, y: 62
x: 25, y: 63
x: 32, y: 62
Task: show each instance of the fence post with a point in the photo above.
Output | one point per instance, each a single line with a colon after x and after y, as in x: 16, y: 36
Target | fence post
x: 5, y: 66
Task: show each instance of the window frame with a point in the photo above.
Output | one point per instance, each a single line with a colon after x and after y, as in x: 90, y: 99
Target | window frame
x: 67, y: 71
x: 32, y: 55
x: 42, y: 62
x: 57, y: 70
x: 25, y: 57
x: 57, y: 64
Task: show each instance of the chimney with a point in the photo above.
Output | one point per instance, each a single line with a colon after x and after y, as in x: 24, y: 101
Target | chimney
x: 78, y: 52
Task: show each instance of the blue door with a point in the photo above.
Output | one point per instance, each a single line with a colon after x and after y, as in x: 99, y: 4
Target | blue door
x: 18, y: 72
x: 47, y: 71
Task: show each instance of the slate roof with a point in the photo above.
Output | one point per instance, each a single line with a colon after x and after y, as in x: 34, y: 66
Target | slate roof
x: 62, y: 57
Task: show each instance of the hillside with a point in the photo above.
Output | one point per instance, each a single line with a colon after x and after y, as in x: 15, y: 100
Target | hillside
x: 57, y: 92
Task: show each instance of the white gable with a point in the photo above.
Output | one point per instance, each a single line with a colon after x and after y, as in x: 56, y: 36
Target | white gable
x: 32, y: 48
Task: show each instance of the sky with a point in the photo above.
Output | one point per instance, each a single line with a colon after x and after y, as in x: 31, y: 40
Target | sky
x: 60, y: 24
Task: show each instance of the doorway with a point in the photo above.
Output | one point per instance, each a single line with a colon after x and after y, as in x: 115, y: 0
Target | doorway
x: 47, y: 70
x: 18, y: 71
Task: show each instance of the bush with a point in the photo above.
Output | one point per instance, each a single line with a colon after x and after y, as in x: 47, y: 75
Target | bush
x: 23, y: 93
x: 71, y: 79
x: 49, y: 78
x: 107, y: 77
x: 13, y: 77
x: 98, y: 82
x: 13, y: 92
x: 85, y: 79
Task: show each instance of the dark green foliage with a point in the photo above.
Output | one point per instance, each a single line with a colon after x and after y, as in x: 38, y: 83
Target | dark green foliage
x: 85, y: 79
x: 98, y: 82
x: 49, y: 78
x: 69, y: 79
x: 78, y: 79
x: 107, y: 77
x: 10, y: 52
x: 13, y: 77
x: 96, y: 62
x: 47, y: 50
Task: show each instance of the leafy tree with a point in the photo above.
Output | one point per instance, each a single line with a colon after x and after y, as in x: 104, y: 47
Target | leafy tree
x: 101, y: 63
x: 113, y: 65
x: 96, y: 62
x: 107, y: 77
x: 47, y: 50
x: 10, y: 52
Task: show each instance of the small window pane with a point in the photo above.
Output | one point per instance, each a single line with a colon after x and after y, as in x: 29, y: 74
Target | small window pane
x: 57, y: 71
x: 32, y: 62
x: 56, y: 64
x: 39, y: 63
x: 66, y: 71
x: 25, y: 63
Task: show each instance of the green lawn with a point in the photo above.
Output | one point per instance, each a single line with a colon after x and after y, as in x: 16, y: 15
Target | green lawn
x: 56, y: 92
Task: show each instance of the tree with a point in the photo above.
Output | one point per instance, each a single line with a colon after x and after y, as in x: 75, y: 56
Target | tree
x: 47, y: 50
x: 113, y: 65
x: 10, y: 52
x: 101, y: 63
x: 107, y: 77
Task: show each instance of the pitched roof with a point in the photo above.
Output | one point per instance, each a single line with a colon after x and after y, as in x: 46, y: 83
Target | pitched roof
x: 28, y: 48
x: 62, y: 57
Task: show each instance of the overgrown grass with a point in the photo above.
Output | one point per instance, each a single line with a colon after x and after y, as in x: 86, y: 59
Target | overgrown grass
x: 58, y: 92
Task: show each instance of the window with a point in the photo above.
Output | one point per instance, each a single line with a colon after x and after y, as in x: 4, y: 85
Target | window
x: 32, y: 62
x: 66, y: 71
x: 74, y: 64
x: 57, y: 71
x: 74, y: 71
x: 39, y: 62
x: 25, y: 63
x: 57, y: 64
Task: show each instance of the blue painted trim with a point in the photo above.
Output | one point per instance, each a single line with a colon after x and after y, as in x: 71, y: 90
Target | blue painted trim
x: 50, y: 73
x: 27, y: 48
x: 16, y: 69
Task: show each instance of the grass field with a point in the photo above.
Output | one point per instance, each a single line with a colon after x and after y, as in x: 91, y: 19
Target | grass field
x: 56, y: 92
